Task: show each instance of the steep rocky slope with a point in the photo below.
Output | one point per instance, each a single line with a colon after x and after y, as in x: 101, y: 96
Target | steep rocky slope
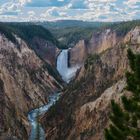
x: 38, y: 38
x: 25, y: 83
x: 100, y: 40
x: 83, y: 111
x: 78, y: 54
x: 45, y: 49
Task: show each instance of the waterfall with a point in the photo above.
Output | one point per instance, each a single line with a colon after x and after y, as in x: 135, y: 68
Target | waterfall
x: 62, y: 67
x: 67, y: 74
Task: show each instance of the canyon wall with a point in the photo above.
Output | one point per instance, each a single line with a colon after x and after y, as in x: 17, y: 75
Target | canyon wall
x: 25, y: 84
x: 78, y: 54
x: 99, y: 42
x: 45, y: 49
x: 83, y: 111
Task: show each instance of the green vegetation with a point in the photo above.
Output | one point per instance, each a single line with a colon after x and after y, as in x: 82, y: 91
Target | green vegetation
x: 53, y: 72
x: 70, y: 32
x: 71, y: 23
x: 91, y: 60
x: 126, y: 121
x: 27, y: 32
x: 70, y: 36
x: 122, y: 28
x: 1, y: 86
x: 4, y: 29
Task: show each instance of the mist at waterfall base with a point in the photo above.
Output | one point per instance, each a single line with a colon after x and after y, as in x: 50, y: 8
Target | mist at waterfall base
x: 67, y: 74
x: 37, y: 131
x: 62, y: 67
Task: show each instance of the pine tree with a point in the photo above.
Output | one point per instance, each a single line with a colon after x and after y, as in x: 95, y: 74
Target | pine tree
x: 126, y: 122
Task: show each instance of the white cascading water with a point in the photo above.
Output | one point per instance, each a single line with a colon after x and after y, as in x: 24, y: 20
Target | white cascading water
x: 62, y: 67
x: 67, y: 74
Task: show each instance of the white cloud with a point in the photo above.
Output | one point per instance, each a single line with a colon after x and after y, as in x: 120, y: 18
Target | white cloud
x: 10, y: 8
x: 131, y: 1
x: 102, y: 10
x: 22, y: 2
x: 31, y: 12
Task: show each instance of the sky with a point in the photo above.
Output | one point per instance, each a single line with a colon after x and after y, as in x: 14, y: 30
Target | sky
x: 87, y: 10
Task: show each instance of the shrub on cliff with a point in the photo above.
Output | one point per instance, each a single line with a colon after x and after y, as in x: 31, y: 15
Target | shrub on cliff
x: 92, y: 58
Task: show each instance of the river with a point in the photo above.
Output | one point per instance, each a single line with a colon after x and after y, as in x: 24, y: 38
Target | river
x: 37, y: 132
x: 36, y: 129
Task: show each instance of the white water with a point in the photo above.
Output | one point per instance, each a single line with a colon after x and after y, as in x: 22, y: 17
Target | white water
x: 67, y: 74
x: 36, y: 128
x: 62, y: 67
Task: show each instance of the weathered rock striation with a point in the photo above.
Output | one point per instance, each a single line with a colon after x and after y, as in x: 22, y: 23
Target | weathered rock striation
x: 25, y: 83
x: 83, y: 111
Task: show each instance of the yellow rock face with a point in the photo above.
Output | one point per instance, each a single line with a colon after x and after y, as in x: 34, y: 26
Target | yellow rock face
x: 26, y: 85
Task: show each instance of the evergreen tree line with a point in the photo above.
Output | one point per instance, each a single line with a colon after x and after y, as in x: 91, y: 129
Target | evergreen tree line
x: 126, y: 119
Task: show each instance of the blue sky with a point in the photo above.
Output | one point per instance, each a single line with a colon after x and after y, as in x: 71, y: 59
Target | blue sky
x: 91, y: 10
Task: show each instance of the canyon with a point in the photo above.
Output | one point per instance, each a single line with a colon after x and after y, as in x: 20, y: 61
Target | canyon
x: 62, y: 94
x: 26, y: 83
x: 82, y: 113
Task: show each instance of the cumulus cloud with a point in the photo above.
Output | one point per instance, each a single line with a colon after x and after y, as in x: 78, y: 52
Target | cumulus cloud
x: 10, y: 8
x: 22, y: 2
x: 101, y: 10
x: 131, y: 1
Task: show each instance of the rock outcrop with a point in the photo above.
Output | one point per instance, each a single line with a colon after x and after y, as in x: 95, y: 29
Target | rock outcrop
x: 82, y: 112
x: 92, y: 117
x: 45, y: 49
x: 101, y: 41
x: 98, y: 43
x: 78, y: 54
x: 25, y: 84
